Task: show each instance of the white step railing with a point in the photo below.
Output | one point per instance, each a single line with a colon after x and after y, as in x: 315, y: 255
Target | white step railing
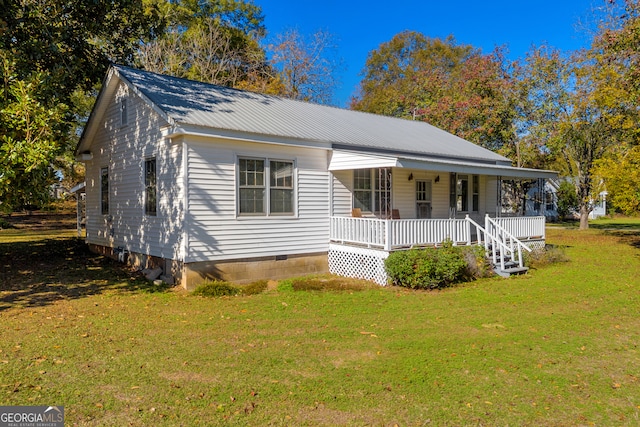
x: 498, y: 238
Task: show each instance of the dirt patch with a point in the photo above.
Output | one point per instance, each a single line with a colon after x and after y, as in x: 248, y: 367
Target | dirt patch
x: 42, y: 221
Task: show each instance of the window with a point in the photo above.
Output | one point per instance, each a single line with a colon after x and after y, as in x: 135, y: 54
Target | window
x: 104, y: 190
x: 254, y: 189
x: 150, y: 187
x: 476, y: 193
x: 362, y: 189
x: 281, y: 187
x: 462, y: 193
x: 549, y: 202
x: 124, y: 116
x: 372, y: 190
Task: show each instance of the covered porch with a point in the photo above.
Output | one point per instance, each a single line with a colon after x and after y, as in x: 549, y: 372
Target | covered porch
x: 384, y: 202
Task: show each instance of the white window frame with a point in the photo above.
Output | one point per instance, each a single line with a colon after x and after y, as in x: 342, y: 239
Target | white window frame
x: 375, y: 192
x: 267, y: 187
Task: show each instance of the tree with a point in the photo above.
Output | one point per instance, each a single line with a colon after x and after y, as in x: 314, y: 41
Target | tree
x: 455, y: 87
x: 306, y: 65
x: 572, y: 116
x: 72, y: 41
x: 211, y: 41
x: 32, y: 136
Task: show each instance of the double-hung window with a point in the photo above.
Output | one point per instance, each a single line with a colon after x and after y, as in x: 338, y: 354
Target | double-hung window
x: 150, y: 187
x: 372, y: 190
x: 104, y: 191
x: 266, y: 187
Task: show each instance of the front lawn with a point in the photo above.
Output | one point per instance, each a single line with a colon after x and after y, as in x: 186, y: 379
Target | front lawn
x: 557, y: 347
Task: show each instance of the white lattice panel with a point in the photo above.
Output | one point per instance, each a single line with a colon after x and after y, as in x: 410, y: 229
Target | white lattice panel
x: 357, y: 262
x: 536, y: 245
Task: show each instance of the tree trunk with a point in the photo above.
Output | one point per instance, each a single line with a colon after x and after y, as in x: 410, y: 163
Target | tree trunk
x: 584, y: 217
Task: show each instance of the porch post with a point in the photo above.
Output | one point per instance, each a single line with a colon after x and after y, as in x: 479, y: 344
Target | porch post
x: 387, y: 235
x: 499, y: 201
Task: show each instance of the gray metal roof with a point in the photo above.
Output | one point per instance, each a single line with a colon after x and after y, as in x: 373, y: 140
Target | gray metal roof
x: 201, y: 104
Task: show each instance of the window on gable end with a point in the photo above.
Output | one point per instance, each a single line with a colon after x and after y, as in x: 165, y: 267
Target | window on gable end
x: 124, y: 113
x: 150, y: 187
x: 104, y: 191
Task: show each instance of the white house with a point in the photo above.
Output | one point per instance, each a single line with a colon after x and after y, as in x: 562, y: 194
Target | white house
x: 207, y: 181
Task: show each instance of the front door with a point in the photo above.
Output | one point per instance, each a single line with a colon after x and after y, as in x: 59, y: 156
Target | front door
x: 423, y: 199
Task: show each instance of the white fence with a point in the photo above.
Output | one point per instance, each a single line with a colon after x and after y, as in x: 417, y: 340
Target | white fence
x: 389, y: 234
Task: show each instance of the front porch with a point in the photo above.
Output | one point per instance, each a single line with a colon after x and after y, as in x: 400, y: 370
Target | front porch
x: 359, y: 246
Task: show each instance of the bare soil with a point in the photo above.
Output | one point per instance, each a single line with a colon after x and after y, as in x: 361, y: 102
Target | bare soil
x: 42, y: 220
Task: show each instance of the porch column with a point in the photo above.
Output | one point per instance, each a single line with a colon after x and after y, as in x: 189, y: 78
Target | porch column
x: 499, y: 201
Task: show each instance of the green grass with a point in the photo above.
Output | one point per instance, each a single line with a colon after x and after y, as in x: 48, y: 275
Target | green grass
x: 557, y: 347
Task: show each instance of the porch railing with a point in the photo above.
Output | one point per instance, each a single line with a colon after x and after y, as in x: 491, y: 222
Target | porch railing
x: 389, y: 234
x: 524, y: 227
x: 398, y: 233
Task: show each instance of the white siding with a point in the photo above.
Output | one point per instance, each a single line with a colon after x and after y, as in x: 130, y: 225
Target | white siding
x: 342, y: 182
x: 216, y: 232
x: 123, y: 149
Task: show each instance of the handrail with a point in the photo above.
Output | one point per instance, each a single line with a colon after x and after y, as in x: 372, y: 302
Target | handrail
x: 504, y: 234
x: 494, y: 242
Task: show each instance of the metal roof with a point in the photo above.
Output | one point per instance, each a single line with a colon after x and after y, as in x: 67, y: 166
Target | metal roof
x: 201, y: 104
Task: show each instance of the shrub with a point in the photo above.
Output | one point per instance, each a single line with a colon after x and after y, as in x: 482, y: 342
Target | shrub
x: 254, y: 288
x: 216, y: 288
x: 478, y: 265
x: 4, y: 224
x: 547, y: 256
x: 429, y: 268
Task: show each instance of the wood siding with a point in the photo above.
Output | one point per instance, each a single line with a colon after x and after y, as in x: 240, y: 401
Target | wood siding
x: 217, y: 232
x: 124, y: 149
x: 404, y: 193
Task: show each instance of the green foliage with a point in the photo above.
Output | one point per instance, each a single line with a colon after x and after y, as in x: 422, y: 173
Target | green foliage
x: 220, y: 288
x: 567, y: 199
x: 620, y: 171
x: 216, y: 288
x: 4, y: 224
x: 455, y: 87
x: 254, y: 287
x: 32, y: 137
x: 429, y: 268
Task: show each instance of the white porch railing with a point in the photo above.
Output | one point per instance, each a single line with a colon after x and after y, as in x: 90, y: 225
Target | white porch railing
x: 389, y: 234
x: 523, y: 227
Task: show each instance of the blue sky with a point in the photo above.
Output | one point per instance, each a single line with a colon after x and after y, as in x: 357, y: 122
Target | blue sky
x: 360, y: 26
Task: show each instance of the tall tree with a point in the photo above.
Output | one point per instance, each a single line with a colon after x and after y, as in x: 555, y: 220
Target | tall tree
x: 455, y: 87
x: 211, y: 41
x: 571, y: 116
x: 306, y: 65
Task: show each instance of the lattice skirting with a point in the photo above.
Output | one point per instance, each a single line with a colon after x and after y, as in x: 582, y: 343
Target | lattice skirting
x: 536, y: 245
x: 357, y: 262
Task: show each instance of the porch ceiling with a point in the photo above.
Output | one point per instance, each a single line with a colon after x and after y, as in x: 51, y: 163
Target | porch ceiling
x: 347, y: 160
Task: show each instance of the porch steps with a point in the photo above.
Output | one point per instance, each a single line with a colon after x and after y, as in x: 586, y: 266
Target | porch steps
x: 509, y: 271
x: 510, y: 267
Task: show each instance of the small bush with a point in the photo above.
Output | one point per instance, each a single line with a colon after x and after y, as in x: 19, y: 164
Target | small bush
x: 5, y: 225
x: 547, y: 256
x: 255, y: 287
x: 478, y: 265
x: 216, y: 288
x: 428, y: 268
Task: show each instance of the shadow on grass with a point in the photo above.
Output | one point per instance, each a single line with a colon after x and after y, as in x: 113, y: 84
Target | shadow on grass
x: 40, y: 272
